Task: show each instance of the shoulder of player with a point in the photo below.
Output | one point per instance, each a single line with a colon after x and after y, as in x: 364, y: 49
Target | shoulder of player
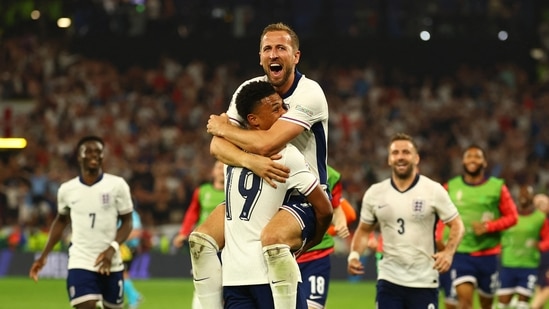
x: 310, y: 87
x: 380, y: 186
x: 75, y: 181
x: 310, y: 82
x: 112, y: 177
x: 290, y: 154
x: 426, y: 180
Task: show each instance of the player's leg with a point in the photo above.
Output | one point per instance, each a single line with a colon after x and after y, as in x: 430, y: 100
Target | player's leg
x: 132, y: 294
x: 541, y: 295
x: 420, y: 298
x: 389, y: 295
x: 113, y: 290
x: 540, y: 298
x: 316, y: 281
x: 205, y: 242
x: 465, y: 281
x: 487, y: 279
x: 286, y: 233
x: 450, y: 298
x: 83, y: 289
x: 195, y: 302
x: 506, y: 288
x: 248, y: 297
x: 465, y: 292
x: 526, y: 287
x: 279, y: 238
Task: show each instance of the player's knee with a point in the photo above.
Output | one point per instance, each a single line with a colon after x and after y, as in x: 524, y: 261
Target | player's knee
x: 201, y: 243
x: 269, y: 238
x: 276, y: 250
x: 275, y: 237
x: 523, y: 305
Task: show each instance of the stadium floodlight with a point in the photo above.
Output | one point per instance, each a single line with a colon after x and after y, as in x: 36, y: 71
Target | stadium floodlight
x: 503, y: 35
x: 425, y: 35
x: 12, y: 143
x: 35, y: 14
x: 64, y: 22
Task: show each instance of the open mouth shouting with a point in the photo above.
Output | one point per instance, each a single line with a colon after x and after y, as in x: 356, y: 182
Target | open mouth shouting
x: 276, y: 70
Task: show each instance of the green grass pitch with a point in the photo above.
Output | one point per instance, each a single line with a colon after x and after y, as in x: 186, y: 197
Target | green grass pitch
x: 23, y: 293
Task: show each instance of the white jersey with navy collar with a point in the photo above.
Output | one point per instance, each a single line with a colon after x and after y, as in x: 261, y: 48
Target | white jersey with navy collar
x: 94, y: 212
x: 307, y: 107
x: 407, y: 221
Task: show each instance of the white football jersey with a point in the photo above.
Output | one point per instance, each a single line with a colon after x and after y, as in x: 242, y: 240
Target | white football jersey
x: 94, y: 214
x: 407, y: 221
x: 250, y: 205
x: 308, y: 108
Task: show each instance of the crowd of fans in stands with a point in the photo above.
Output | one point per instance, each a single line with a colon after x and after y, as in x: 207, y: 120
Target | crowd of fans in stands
x: 153, y: 121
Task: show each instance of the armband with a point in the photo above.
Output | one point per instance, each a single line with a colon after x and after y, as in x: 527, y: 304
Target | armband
x: 115, y: 245
x: 353, y: 255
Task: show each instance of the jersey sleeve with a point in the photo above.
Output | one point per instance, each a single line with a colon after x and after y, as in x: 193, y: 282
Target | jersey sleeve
x: 337, y: 191
x: 308, y: 106
x: 301, y: 177
x: 191, y: 215
x: 446, y: 210
x: 366, y: 212
x: 508, y: 210
x: 124, y: 201
x: 543, y: 245
x: 62, y: 203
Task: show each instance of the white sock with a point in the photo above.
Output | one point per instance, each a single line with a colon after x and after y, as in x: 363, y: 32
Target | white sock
x: 206, y: 270
x: 284, y: 275
x: 523, y: 305
x: 196, y: 302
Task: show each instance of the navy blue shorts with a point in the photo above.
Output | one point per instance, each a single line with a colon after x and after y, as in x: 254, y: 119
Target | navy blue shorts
x: 390, y: 295
x: 517, y: 280
x: 481, y: 271
x: 84, y: 285
x: 254, y: 297
x: 446, y: 286
x: 304, y: 214
x: 316, y: 280
x: 543, y: 270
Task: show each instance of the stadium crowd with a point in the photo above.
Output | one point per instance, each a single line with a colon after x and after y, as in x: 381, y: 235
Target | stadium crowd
x: 153, y: 121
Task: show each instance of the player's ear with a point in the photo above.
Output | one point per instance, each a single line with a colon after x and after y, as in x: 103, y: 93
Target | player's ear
x: 252, y: 120
x: 297, y: 56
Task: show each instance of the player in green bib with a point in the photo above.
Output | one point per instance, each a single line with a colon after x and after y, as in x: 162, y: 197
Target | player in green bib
x: 487, y: 209
x: 520, y: 252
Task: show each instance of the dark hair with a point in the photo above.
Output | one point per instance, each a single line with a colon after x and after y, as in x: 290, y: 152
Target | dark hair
x: 404, y: 137
x: 281, y: 27
x: 90, y: 138
x: 82, y: 141
x: 475, y: 146
x: 250, y: 95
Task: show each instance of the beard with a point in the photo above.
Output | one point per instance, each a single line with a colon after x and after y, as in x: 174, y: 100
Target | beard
x: 406, y: 174
x: 279, y: 82
x: 474, y: 173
